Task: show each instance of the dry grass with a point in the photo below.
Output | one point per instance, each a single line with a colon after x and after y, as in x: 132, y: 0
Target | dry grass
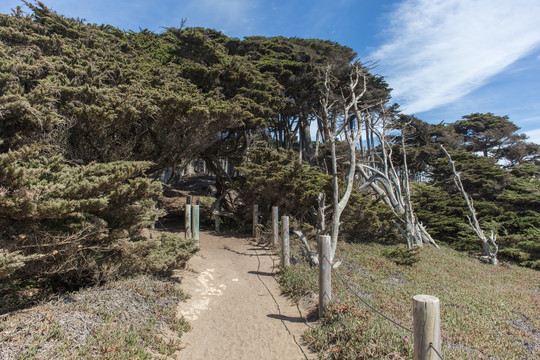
x: 126, y: 319
x: 486, y: 312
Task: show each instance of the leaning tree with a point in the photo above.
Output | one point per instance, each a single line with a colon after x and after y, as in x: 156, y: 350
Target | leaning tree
x: 383, y: 176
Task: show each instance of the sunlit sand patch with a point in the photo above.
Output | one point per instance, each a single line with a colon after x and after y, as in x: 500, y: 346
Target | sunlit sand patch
x: 202, y: 295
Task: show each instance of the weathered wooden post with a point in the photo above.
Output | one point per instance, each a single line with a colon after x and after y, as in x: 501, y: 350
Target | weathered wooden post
x: 285, y: 253
x: 426, y: 327
x: 275, y: 226
x: 325, y: 274
x: 195, y: 224
x: 216, y: 217
x: 187, y: 218
x: 255, y: 221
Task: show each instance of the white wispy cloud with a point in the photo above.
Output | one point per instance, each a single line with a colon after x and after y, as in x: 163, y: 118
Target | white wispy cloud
x: 534, y: 136
x: 440, y: 50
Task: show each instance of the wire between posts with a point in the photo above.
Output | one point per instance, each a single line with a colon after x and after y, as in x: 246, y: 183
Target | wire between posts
x: 358, y: 296
x: 366, y: 303
x: 436, y: 352
x: 380, y: 313
x: 341, y: 315
x: 362, y: 300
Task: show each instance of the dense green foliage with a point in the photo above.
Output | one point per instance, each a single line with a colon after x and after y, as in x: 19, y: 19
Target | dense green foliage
x: 296, y: 64
x: 499, y: 169
x: 367, y: 219
x: 102, y: 94
x: 485, y: 133
x: 507, y: 202
x: 78, y: 224
x: 72, y: 94
x: 89, y: 114
x: 271, y: 178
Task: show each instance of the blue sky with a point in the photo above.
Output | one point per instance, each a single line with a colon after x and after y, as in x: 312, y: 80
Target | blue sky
x: 443, y: 58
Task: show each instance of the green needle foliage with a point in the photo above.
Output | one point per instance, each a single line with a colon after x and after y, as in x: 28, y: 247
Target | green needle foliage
x: 102, y: 94
x: 77, y: 224
x: 89, y: 112
x: 507, y: 202
x: 272, y: 178
x: 86, y: 111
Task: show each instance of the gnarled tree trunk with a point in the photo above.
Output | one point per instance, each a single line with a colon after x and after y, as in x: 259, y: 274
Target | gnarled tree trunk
x: 386, y: 182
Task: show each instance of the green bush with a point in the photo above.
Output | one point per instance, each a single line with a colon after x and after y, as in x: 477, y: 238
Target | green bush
x: 403, y: 256
x: 73, y: 225
x: 506, y: 203
x: 272, y: 178
x: 367, y: 219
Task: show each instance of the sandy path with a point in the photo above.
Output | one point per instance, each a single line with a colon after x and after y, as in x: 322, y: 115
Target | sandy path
x: 236, y: 309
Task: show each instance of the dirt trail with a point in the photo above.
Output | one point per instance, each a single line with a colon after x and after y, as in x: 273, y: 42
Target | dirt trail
x: 236, y: 309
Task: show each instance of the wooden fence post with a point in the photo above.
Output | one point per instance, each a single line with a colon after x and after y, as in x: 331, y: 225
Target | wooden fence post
x: 325, y: 274
x: 216, y: 218
x: 195, y: 224
x: 285, y: 252
x: 275, y: 226
x: 255, y: 221
x: 426, y: 327
x: 187, y: 218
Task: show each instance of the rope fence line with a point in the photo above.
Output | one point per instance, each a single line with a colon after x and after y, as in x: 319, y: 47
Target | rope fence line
x: 426, y: 316
x: 340, y: 277
x: 436, y: 352
x: 365, y: 301
x: 351, y: 288
x: 277, y: 304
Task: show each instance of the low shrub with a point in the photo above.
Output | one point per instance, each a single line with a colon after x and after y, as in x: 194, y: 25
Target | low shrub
x: 349, y: 333
x: 403, y: 256
x: 71, y: 225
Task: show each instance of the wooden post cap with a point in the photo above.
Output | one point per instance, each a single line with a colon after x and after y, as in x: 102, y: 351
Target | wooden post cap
x: 426, y: 298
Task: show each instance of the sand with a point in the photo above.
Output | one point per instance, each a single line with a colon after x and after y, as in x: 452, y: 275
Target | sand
x: 236, y: 309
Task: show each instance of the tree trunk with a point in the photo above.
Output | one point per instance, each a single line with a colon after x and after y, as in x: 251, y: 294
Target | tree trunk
x: 336, y: 213
x: 490, y: 250
x: 190, y: 169
x: 306, y: 145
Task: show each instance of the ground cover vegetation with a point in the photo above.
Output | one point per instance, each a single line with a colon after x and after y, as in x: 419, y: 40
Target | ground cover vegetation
x: 123, y: 319
x: 91, y: 116
x: 487, y: 312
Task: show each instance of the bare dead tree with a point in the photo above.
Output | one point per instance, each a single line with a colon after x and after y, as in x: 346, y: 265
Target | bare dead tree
x: 341, y: 117
x: 382, y: 177
x: 489, y: 244
x: 308, y: 254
